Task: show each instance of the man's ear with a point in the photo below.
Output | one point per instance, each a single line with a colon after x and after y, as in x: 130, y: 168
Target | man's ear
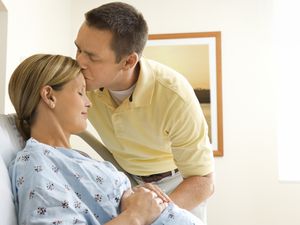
x: 131, y: 60
x: 47, y: 96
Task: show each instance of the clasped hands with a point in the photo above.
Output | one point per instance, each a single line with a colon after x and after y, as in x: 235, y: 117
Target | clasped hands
x: 146, y: 202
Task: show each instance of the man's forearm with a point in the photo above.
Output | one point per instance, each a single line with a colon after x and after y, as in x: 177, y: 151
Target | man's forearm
x: 193, y: 191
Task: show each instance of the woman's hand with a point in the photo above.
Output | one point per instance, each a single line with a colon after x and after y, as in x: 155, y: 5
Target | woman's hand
x: 142, y: 203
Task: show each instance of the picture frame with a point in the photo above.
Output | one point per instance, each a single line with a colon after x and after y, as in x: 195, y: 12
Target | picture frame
x: 197, y: 56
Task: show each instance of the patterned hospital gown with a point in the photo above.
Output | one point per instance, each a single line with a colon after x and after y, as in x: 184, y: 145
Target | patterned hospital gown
x: 61, y: 186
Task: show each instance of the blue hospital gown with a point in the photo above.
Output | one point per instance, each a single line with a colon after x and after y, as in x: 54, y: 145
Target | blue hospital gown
x: 61, y: 186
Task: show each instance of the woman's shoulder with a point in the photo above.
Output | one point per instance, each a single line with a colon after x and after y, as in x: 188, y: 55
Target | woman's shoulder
x: 33, y: 147
x: 34, y: 152
x: 32, y: 164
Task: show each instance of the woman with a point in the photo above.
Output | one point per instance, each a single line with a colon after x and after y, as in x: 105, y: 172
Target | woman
x: 54, y: 184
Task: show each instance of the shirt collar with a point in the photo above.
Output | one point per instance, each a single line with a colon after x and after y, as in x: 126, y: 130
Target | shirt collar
x: 143, y: 92
x: 142, y: 95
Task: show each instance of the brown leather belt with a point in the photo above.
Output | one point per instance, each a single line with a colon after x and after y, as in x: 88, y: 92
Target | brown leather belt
x: 156, y: 177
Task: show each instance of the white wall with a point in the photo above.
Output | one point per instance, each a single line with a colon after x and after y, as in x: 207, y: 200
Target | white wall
x: 247, y: 187
x: 35, y: 26
x: 3, y: 33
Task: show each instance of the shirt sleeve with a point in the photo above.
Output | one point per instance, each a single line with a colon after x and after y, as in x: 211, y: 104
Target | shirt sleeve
x: 191, y: 146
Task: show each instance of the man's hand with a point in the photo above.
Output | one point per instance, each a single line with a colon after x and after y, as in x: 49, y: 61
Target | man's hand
x: 155, y: 189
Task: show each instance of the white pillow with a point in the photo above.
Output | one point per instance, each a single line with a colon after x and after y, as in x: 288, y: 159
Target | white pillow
x: 10, y: 142
x: 7, y: 208
x: 10, y: 139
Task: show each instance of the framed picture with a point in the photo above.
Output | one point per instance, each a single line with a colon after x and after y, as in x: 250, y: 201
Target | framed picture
x: 197, y: 56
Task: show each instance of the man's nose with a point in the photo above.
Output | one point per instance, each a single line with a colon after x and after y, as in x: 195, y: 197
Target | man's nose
x: 81, y: 61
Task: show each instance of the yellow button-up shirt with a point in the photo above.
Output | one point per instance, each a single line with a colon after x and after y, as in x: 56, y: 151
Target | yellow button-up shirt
x: 158, y: 128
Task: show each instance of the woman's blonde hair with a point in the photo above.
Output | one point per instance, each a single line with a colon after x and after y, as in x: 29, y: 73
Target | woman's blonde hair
x: 30, y: 76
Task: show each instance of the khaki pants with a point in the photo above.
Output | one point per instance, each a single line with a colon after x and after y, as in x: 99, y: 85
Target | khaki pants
x: 168, y: 184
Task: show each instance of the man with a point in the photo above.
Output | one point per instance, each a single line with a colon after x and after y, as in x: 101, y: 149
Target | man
x: 146, y: 114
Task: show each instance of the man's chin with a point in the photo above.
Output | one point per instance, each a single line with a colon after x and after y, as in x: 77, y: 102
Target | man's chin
x: 91, y: 88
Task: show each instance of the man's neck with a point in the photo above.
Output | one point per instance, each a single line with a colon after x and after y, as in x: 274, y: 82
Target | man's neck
x: 128, y: 79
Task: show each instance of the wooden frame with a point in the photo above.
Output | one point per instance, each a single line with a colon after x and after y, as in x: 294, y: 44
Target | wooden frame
x: 200, y: 53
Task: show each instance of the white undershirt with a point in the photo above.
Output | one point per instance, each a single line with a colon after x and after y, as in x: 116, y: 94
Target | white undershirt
x: 120, y: 96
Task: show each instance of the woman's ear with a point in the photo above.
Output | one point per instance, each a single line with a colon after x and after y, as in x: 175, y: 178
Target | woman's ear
x: 131, y: 60
x: 47, y: 96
